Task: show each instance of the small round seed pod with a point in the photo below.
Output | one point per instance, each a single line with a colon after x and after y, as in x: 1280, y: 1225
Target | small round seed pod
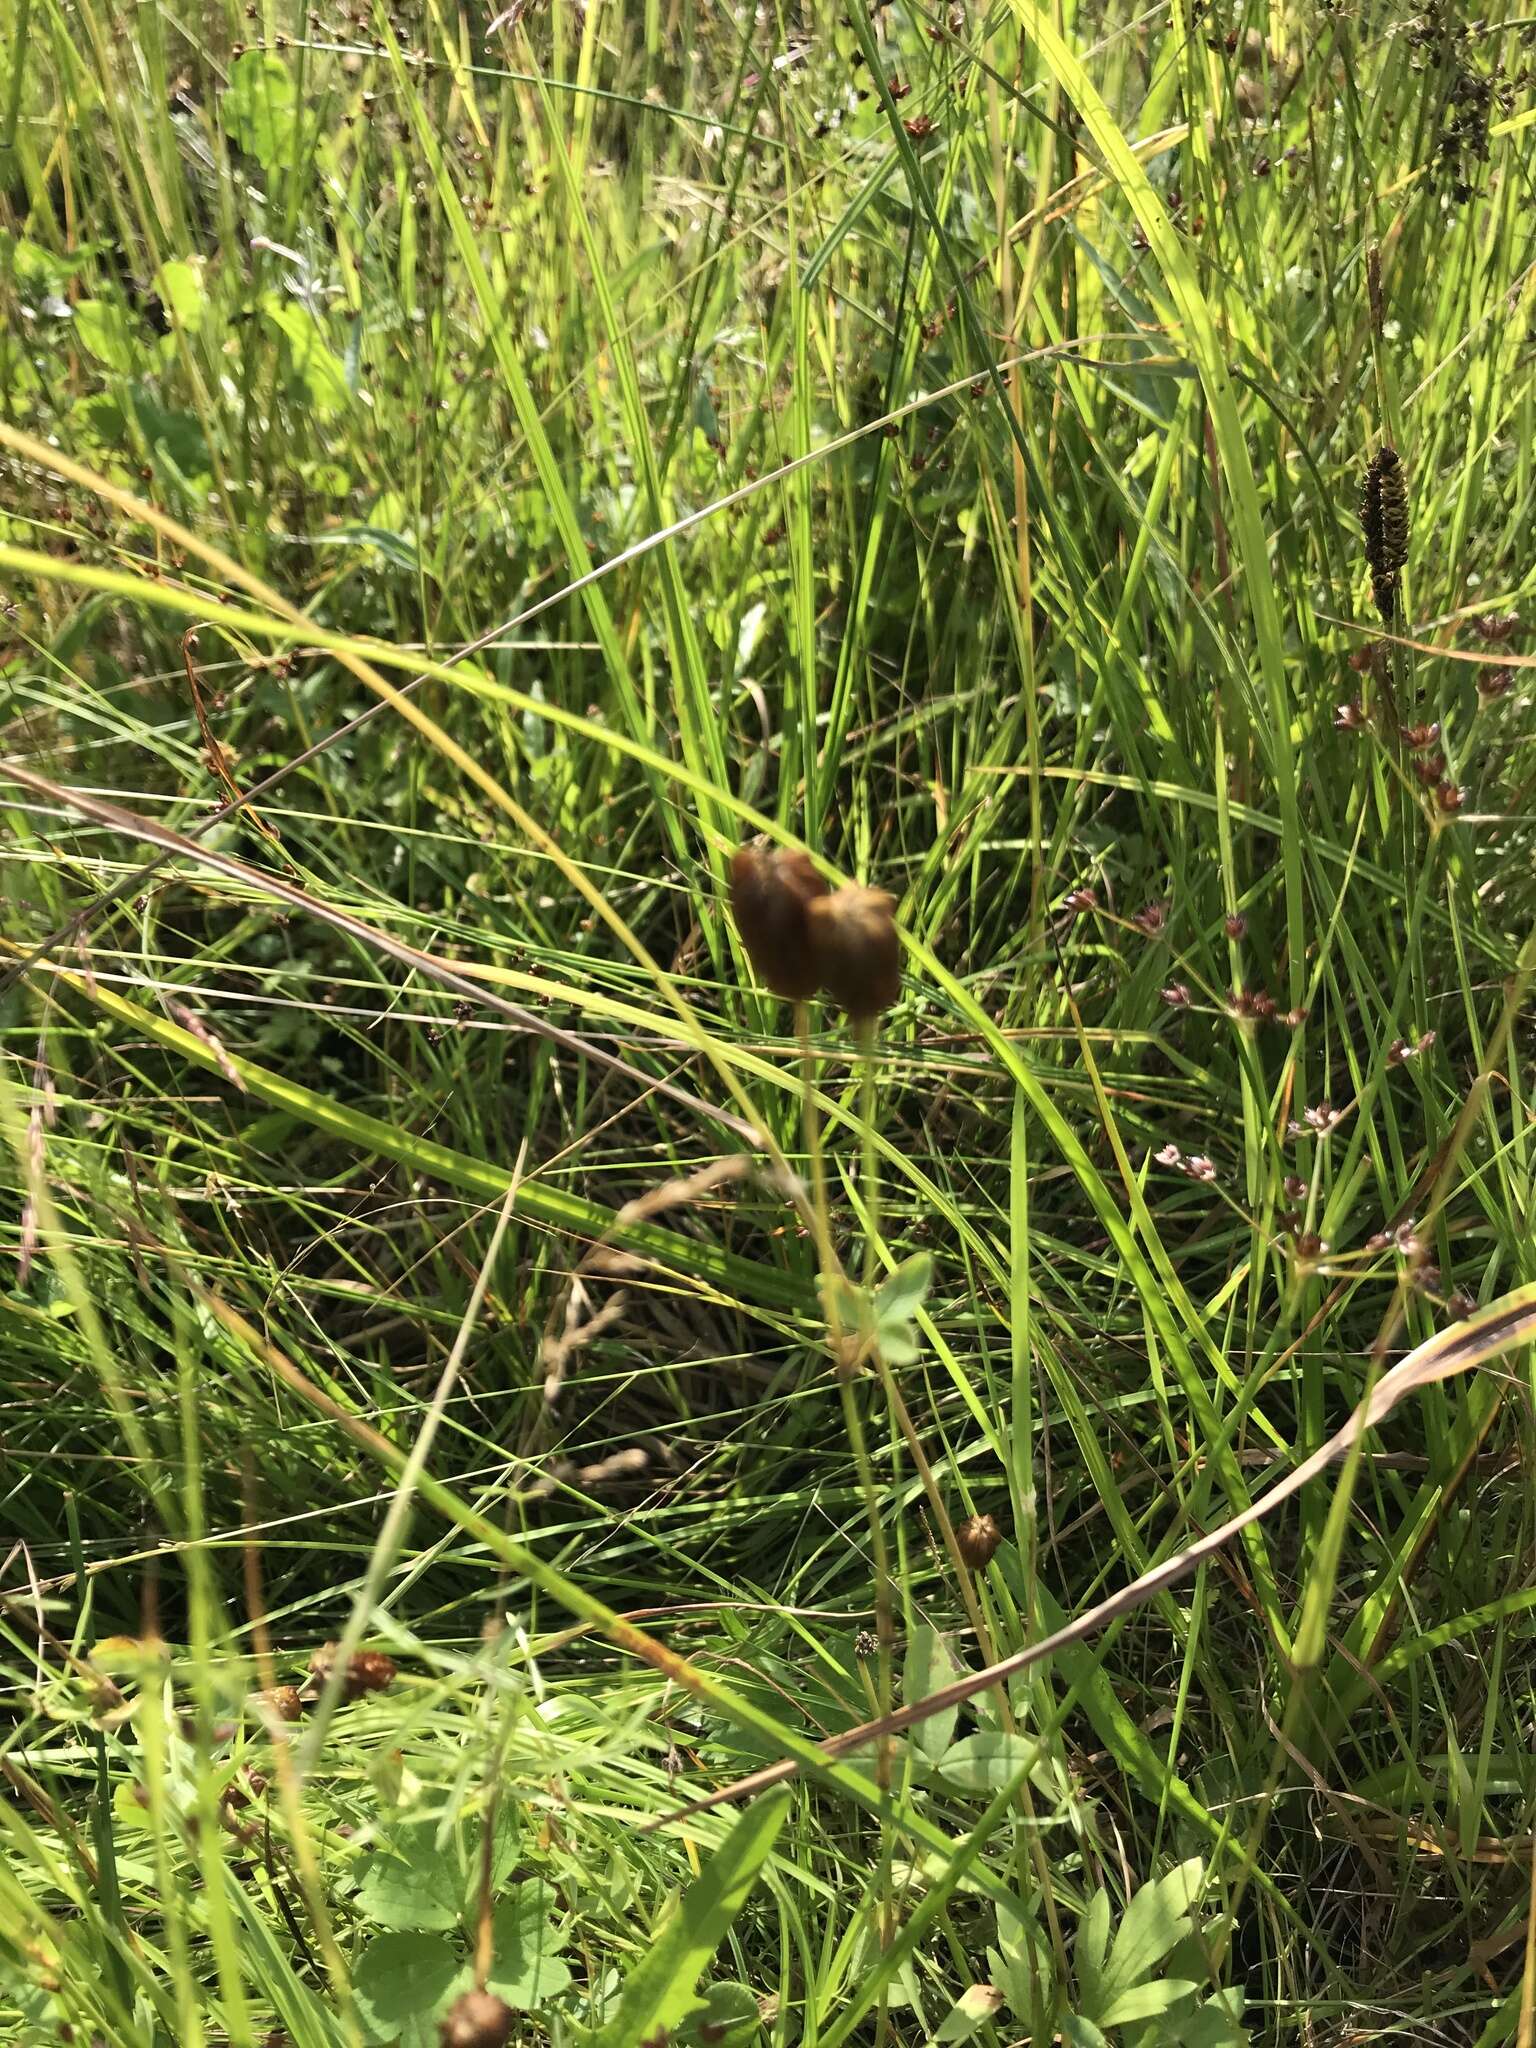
x: 771, y: 891
x: 477, y: 2020
x: 857, y: 952
x: 977, y: 1541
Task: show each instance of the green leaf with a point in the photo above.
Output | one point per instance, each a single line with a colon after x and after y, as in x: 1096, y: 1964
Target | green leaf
x: 399, y: 552
x: 728, y: 2018
x: 986, y: 1762
x: 1081, y: 2033
x: 411, y: 1882
x: 38, y: 268
x: 897, y: 1344
x: 1089, y: 1951
x: 403, y: 1985
x: 929, y: 1667
x: 1156, y: 1920
x: 902, y: 1293
x: 260, y: 107
x: 506, y: 1850
x: 1145, y: 2001
x: 180, y: 287
x: 526, y: 1971
x: 848, y: 1305
x: 1217, y: 2024
x: 973, y: 2009
x: 103, y: 328
x: 315, y: 362
x: 659, y: 1992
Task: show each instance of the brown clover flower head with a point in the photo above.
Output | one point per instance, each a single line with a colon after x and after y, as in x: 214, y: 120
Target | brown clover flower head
x: 978, y: 1541
x: 771, y: 891
x: 366, y: 1671
x: 477, y: 2020
x: 855, y: 948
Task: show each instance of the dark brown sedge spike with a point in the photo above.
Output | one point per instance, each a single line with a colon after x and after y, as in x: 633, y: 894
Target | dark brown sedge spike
x: 771, y: 892
x: 856, y: 950
x: 1384, y: 516
x: 477, y: 2020
x: 978, y: 1541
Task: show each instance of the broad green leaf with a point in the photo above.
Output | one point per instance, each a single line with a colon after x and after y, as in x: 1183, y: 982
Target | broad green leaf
x: 985, y: 1762
x: 180, y: 286
x: 506, y: 1849
x: 972, y: 2009
x: 928, y: 1668
x: 394, y: 547
x: 1089, y: 1950
x: 1217, y: 2024
x: 103, y: 328
x: 260, y: 107
x: 38, y: 268
x: 403, y: 1985
x: 659, y: 1991
x: 848, y: 1304
x: 1156, y: 1920
x: 314, y: 360
x: 902, y: 1293
x: 1080, y: 2032
x: 1022, y: 1964
x: 411, y: 1882
x: 526, y: 1971
x: 728, y: 2018
x: 1145, y: 2001
x: 896, y: 1301
x: 897, y: 1344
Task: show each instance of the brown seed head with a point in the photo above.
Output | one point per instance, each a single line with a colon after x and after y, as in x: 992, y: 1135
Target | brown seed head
x: 856, y: 950
x: 368, y: 1671
x: 770, y: 893
x: 977, y: 1541
x: 285, y: 1702
x: 477, y: 2020
x: 1497, y: 626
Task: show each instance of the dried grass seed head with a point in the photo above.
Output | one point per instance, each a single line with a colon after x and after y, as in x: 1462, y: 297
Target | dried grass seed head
x: 856, y: 950
x: 771, y: 891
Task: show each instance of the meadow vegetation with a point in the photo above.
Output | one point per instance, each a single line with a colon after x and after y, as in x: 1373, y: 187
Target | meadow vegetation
x: 480, y: 1372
